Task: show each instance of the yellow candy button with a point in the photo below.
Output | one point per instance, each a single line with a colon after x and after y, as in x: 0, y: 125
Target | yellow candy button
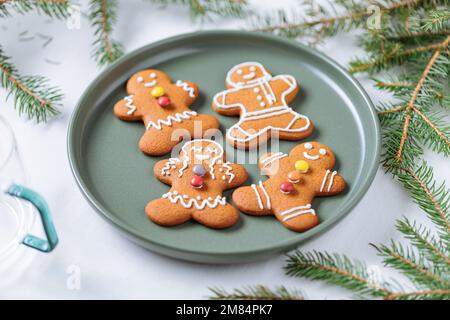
x: 158, y: 92
x: 302, y: 166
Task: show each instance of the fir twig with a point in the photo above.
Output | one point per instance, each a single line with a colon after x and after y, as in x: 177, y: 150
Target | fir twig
x: 52, y: 8
x: 337, y: 270
x: 103, y: 15
x: 207, y: 8
x: 32, y: 95
x: 256, y: 293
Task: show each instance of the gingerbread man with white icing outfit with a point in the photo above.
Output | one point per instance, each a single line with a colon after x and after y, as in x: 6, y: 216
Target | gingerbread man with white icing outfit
x: 197, y: 178
x: 294, y: 181
x: 262, y: 101
x: 163, y: 106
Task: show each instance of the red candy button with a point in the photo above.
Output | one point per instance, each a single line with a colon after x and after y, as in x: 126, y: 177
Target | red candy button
x: 197, y: 182
x: 286, y: 187
x: 164, y: 101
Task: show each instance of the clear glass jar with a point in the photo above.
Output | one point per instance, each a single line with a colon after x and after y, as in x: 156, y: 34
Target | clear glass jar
x: 17, y: 217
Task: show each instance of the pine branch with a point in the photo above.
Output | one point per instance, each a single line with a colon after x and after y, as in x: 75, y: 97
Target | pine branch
x: 103, y: 15
x: 411, y: 104
x: 32, y: 95
x: 207, y: 8
x: 432, y: 198
x: 434, y: 250
x: 326, y: 24
x: 256, y: 293
x: 439, y: 294
x: 337, y: 270
x: 438, y: 20
x: 52, y: 8
x: 414, y: 267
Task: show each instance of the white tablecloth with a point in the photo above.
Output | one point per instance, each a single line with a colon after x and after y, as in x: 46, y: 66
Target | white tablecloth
x: 109, y: 265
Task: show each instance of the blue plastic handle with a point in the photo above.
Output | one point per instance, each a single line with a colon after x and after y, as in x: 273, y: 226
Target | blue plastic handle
x: 44, y: 245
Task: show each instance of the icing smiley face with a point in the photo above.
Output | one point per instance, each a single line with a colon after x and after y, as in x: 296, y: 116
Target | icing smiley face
x: 202, y: 151
x: 314, y: 153
x: 148, y: 79
x: 246, y: 73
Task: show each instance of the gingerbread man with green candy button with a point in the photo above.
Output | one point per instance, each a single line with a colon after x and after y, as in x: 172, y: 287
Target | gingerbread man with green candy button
x: 197, y: 178
x: 163, y: 106
x: 294, y: 181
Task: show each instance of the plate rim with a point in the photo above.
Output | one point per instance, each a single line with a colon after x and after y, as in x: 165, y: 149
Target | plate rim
x: 223, y: 257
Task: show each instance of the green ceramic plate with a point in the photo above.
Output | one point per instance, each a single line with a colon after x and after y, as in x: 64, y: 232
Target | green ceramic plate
x: 117, y: 178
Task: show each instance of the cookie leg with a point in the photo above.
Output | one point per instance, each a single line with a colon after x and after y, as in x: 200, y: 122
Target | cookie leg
x: 300, y: 127
x: 223, y: 216
x: 298, y: 219
x: 163, y: 212
x: 252, y: 200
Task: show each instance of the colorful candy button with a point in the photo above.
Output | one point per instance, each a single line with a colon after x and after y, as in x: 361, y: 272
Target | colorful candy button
x: 164, y: 101
x: 294, y: 176
x: 286, y: 187
x: 158, y: 92
x: 302, y: 166
x: 199, y: 170
x: 197, y: 182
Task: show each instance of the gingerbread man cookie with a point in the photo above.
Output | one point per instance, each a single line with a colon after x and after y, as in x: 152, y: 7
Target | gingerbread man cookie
x: 262, y: 101
x: 294, y: 181
x: 198, y: 178
x: 163, y: 106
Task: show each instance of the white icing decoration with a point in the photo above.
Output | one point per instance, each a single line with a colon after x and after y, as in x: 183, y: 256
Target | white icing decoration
x: 228, y: 171
x: 262, y: 104
x: 217, y: 151
x: 198, y: 203
x: 308, y: 145
x: 296, y: 211
x: 223, y: 177
x: 178, y: 117
x: 259, y: 98
x: 260, y: 83
x: 322, y: 151
x: 324, y: 180
x: 310, y: 157
x: 260, y: 204
x: 240, y: 71
x: 140, y: 79
x: 150, y: 84
x: 265, y: 194
x: 276, y: 156
x: 330, y: 184
x: 249, y: 76
x: 130, y: 105
x: 252, y: 68
x: 171, y: 163
x: 186, y: 88
x: 258, y: 196
x: 221, y: 170
x: 153, y: 75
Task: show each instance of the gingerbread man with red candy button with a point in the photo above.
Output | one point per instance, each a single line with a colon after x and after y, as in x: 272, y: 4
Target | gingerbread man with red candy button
x: 198, y: 178
x: 163, y: 106
x: 294, y: 181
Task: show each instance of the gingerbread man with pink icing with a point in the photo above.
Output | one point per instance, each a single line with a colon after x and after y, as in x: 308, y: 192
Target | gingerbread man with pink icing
x: 294, y: 181
x: 197, y: 178
x: 262, y: 102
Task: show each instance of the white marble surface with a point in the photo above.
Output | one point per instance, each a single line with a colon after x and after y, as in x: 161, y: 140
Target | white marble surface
x: 111, y: 266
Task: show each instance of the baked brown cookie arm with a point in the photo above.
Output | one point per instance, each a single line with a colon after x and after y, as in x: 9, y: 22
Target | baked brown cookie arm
x: 227, y: 103
x: 188, y: 90
x: 330, y: 184
x: 233, y: 175
x: 165, y: 169
x: 126, y: 109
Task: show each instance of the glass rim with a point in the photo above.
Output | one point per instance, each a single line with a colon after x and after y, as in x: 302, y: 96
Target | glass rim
x: 12, y: 138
